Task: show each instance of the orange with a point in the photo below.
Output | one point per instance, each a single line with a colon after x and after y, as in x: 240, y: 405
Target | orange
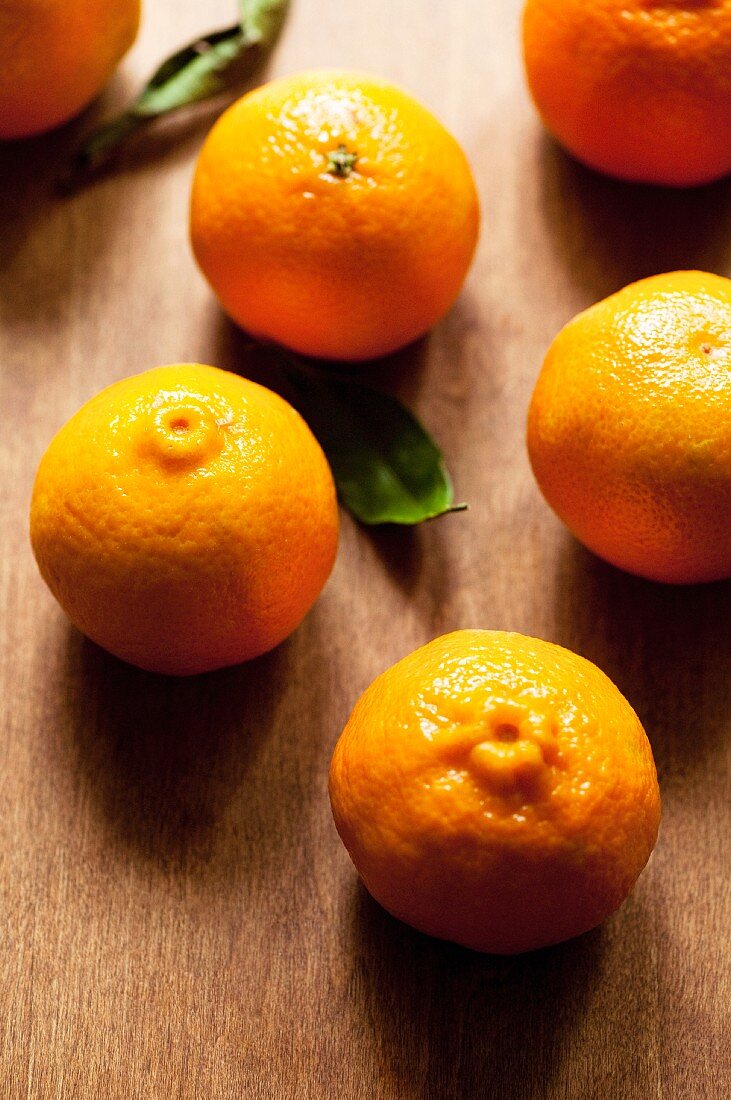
x: 635, y: 88
x: 629, y: 428
x: 334, y: 214
x: 185, y: 519
x: 57, y: 56
x: 496, y: 790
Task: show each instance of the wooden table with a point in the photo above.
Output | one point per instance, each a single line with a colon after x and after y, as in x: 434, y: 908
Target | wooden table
x: 178, y: 917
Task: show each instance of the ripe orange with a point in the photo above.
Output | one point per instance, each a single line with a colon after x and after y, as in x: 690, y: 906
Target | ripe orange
x: 629, y: 429
x: 496, y: 790
x: 57, y: 56
x: 637, y: 89
x: 185, y: 519
x: 334, y: 214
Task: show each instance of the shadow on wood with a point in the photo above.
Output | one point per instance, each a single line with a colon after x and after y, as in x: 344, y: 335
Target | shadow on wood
x: 236, y: 350
x: 667, y: 648
x: 401, y: 551
x: 30, y: 170
x: 610, y: 233
x: 172, y: 764
x: 451, y: 1024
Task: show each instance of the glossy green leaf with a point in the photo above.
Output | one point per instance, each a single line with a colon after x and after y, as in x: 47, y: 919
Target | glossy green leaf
x: 262, y: 19
x: 386, y: 467
x: 203, y: 68
x: 192, y: 74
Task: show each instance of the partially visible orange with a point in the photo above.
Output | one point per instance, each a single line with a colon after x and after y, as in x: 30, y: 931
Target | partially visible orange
x: 334, y: 214
x: 496, y: 790
x: 629, y: 428
x: 636, y: 88
x: 57, y: 56
x: 185, y: 519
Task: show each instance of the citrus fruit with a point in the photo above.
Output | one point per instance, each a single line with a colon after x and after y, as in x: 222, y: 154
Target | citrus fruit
x: 185, y: 519
x: 638, y: 89
x: 334, y: 214
x: 57, y: 56
x: 495, y: 790
x: 629, y: 428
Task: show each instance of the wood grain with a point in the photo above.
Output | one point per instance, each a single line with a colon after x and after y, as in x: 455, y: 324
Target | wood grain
x: 177, y: 916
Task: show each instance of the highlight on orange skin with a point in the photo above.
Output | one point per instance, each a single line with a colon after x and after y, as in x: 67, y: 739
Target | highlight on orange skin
x: 333, y: 214
x: 185, y: 519
x: 629, y: 433
x: 495, y: 790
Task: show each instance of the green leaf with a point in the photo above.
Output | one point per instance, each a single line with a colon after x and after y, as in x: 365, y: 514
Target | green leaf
x: 203, y: 68
x: 192, y: 74
x: 386, y: 467
x: 262, y: 19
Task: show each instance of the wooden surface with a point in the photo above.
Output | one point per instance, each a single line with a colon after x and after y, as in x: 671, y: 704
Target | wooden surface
x: 178, y: 917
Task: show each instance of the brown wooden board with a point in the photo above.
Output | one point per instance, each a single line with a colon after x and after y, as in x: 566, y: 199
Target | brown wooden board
x: 178, y: 917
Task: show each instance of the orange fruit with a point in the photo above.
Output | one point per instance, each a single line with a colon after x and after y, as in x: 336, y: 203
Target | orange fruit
x: 629, y: 428
x: 334, y: 214
x: 185, y: 519
x: 57, y: 56
x: 636, y: 89
x: 495, y: 790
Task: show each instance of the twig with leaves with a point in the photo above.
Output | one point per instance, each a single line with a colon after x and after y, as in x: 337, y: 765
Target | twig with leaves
x: 202, y: 69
